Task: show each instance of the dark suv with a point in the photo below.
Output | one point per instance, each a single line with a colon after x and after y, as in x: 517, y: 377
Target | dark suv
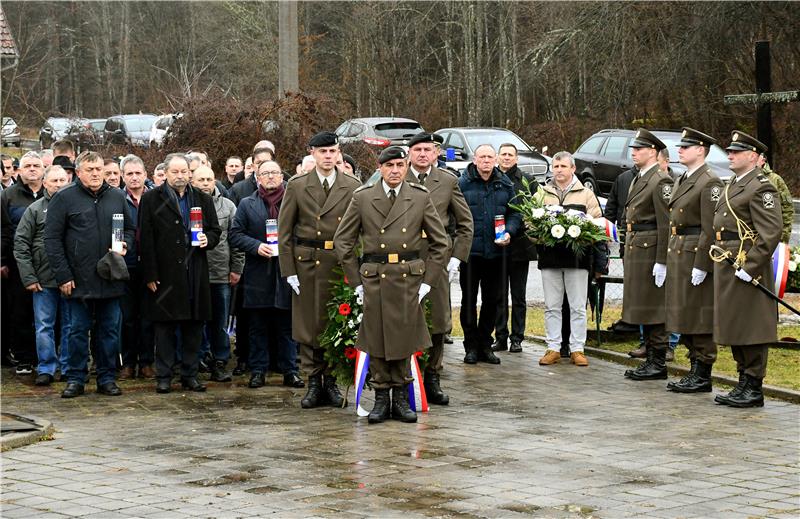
x: 606, y: 154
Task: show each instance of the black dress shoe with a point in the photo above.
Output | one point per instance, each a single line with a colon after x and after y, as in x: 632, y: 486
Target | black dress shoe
x: 192, y: 384
x: 163, y: 386
x: 564, y: 351
x: 43, y: 379
x: 240, y: 369
x: 486, y: 355
x: 218, y: 373
x: 500, y: 346
x: 109, y: 389
x: 72, y: 390
x: 471, y: 357
x: 257, y: 380
x: 292, y: 380
x: 516, y: 347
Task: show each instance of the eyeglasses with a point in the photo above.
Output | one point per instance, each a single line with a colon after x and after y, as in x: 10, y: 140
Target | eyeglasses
x: 270, y: 173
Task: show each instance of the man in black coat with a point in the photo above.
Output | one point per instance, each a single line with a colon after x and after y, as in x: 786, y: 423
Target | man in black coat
x: 77, y: 240
x: 175, y: 271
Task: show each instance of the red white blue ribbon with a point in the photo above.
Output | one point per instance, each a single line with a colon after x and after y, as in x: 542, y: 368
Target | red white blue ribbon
x: 360, y: 379
x: 416, y: 390
x: 780, y: 268
x: 609, y: 227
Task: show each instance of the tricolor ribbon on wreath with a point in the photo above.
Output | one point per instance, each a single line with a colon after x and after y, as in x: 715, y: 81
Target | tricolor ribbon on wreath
x: 416, y: 390
x: 780, y: 268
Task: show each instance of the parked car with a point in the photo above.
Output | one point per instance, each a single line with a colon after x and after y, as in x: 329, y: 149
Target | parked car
x: 57, y: 128
x: 9, y: 135
x: 133, y: 129
x: 86, y: 133
x: 460, y: 143
x: 380, y: 132
x: 604, y: 155
x: 159, y: 129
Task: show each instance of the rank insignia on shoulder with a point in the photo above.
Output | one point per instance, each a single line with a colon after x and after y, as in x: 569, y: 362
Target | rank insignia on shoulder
x: 762, y: 179
x: 769, y: 200
x: 716, y: 191
x: 666, y: 191
x: 362, y: 188
x: 418, y: 186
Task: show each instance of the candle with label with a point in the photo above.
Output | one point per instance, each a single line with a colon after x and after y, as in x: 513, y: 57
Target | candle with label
x: 117, y: 232
x: 499, y: 227
x: 196, y: 224
x: 272, y: 235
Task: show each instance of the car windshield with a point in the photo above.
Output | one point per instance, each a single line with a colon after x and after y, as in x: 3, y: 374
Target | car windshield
x: 397, y: 130
x: 8, y: 121
x: 495, y: 138
x: 98, y: 125
x: 716, y: 154
x: 139, y: 124
x: 62, y: 124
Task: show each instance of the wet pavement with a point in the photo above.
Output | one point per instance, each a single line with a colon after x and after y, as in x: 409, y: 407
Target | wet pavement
x: 518, y: 440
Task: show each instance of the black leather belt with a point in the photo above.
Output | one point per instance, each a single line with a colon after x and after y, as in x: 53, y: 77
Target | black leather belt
x: 727, y: 235
x: 693, y: 230
x: 389, y: 258
x: 317, y: 244
x: 642, y: 227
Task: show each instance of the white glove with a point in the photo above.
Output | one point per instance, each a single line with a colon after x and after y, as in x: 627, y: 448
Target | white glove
x: 424, y: 288
x: 452, y: 269
x: 294, y: 282
x: 660, y: 273
x: 698, y: 276
x: 360, y: 294
x: 744, y: 276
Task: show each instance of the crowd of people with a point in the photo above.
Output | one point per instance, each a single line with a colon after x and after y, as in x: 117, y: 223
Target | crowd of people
x: 143, y: 272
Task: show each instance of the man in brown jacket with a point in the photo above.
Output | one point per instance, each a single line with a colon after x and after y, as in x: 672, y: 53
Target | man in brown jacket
x: 747, y: 224
x: 689, y: 290
x: 392, y: 216
x: 312, y: 208
x: 646, y: 254
x: 457, y: 220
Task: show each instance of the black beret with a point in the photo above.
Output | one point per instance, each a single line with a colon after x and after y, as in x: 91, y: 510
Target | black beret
x: 743, y: 142
x: 690, y: 137
x: 347, y: 158
x: 438, y: 138
x: 645, y: 139
x: 323, y: 139
x: 391, y: 153
x: 420, y: 138
x: 64, y: 162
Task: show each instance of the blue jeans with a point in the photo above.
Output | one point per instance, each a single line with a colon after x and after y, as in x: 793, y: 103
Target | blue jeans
x: 47, y: 305
x: 271, y: 328
x: 106, y: 315
x: 215, y: 338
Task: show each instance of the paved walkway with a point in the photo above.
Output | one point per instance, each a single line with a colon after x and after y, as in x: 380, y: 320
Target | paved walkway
x: 519, y: 440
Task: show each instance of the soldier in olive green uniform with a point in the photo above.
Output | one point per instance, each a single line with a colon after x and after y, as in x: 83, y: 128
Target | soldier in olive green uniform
x: 391, y: 217
x: 747, y: 224
x: 646, y: 254
x: 787, y: 205
x: 457, y: 220
x: 689, y: 289
x: 311, y: 211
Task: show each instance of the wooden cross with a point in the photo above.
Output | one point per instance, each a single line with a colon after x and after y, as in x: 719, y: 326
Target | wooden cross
x: 763, y: 98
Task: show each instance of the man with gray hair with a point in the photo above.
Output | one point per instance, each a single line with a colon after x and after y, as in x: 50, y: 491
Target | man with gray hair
x: 37, y: 278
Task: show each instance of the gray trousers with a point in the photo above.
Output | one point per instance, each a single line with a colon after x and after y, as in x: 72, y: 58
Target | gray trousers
x: 575, y: 282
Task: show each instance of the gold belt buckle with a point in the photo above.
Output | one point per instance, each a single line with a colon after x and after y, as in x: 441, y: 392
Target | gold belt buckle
x: 719, y: 236
x: 674, y: 231
x: 329, y: 245
x: 393, y: 258
x: 630, y: 227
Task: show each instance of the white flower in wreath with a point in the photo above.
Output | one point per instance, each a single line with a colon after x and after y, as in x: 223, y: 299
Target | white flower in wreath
x: 796, y: 258
x: 358, y: 319
x: 555, y: 209
x: 576, y: 213
x: 574, y: 231
x: 792, y: 266
x: 351, y: 323
x: 557, y: 231
x: 538, y: 213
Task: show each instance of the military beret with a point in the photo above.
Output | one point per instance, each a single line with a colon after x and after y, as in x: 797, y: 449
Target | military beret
x: 420, y: 138
x: 391, y: 153
x: 64, y: 162
x: 347, y: 158
x: 690, y: 137
x: 645, y: 139
x: 438, y: 138
x: 323, y: 139
x: 743, y: 142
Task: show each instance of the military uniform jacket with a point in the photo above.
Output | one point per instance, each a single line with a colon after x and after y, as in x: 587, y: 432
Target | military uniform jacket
x: 743, y: 314
x: 306, y: 214
x: 646, y: 210
x: 690, y: 309
x: 457, y: 220
x: 393, y: 326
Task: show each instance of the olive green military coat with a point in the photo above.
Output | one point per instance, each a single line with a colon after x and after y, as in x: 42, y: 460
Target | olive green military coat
x: 642, y: 301
x: 306, y: 213
x: 743, y: 314
x: 393, y: 326
x: 690, y: 309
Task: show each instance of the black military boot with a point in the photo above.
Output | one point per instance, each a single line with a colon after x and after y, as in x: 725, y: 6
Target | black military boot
x: 750, y: 395
x: 689, y: 378
x: 332, y: 393
x: 487, y: 355
x: 380, y: 411
x: 400, y: 408
x: 723, y: 399
x: 701, y: 383
x: 315, y: 396
x: 472, y: 356
x: 218, y: 373
x: 434, y: 391
x: 653, y: 368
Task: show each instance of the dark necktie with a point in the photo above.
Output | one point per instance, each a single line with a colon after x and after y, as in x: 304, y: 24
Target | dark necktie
x: 392, y: 196
x: 326, y: 187
x: 422, y: 177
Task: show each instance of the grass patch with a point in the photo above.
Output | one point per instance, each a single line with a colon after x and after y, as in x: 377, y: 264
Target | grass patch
x: 13, y: 151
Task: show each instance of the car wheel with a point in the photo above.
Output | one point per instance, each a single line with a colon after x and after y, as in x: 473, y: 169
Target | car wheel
x: 590, y: 183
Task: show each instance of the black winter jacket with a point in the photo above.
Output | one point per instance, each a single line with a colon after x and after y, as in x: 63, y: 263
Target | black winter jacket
x: 521, y: 248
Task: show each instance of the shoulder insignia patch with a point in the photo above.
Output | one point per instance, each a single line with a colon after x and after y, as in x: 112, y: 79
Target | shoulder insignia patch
x: 769, y: 200
x: 762, y: 179
x: 418, y: 186
x: 716, y: 191
x: 362, y: 188
x: 666, y: 191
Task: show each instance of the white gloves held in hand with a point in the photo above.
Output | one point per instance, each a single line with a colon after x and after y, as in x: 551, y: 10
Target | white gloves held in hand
x: 660, y: 273
x: 452, y: 269
x: 360, y: 294
x: 744, y: 276
x: 698, y: 276
x: 424, y: 288
x: 294, y: 282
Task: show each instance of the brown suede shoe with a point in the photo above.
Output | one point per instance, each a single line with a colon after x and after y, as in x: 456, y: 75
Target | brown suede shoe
x: 126, y: 373
x: 638, y: 353
x: 550, y: 357
x: 147, y: 372
x: 578, y: 358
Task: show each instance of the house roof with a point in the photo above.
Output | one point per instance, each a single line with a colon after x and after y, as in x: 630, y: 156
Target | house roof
x: 8, y: 49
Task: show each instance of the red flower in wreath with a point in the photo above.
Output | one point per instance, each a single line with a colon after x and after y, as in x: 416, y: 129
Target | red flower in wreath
x: 418, y: 354
x: 344, y: 309
x: 350, y: 352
